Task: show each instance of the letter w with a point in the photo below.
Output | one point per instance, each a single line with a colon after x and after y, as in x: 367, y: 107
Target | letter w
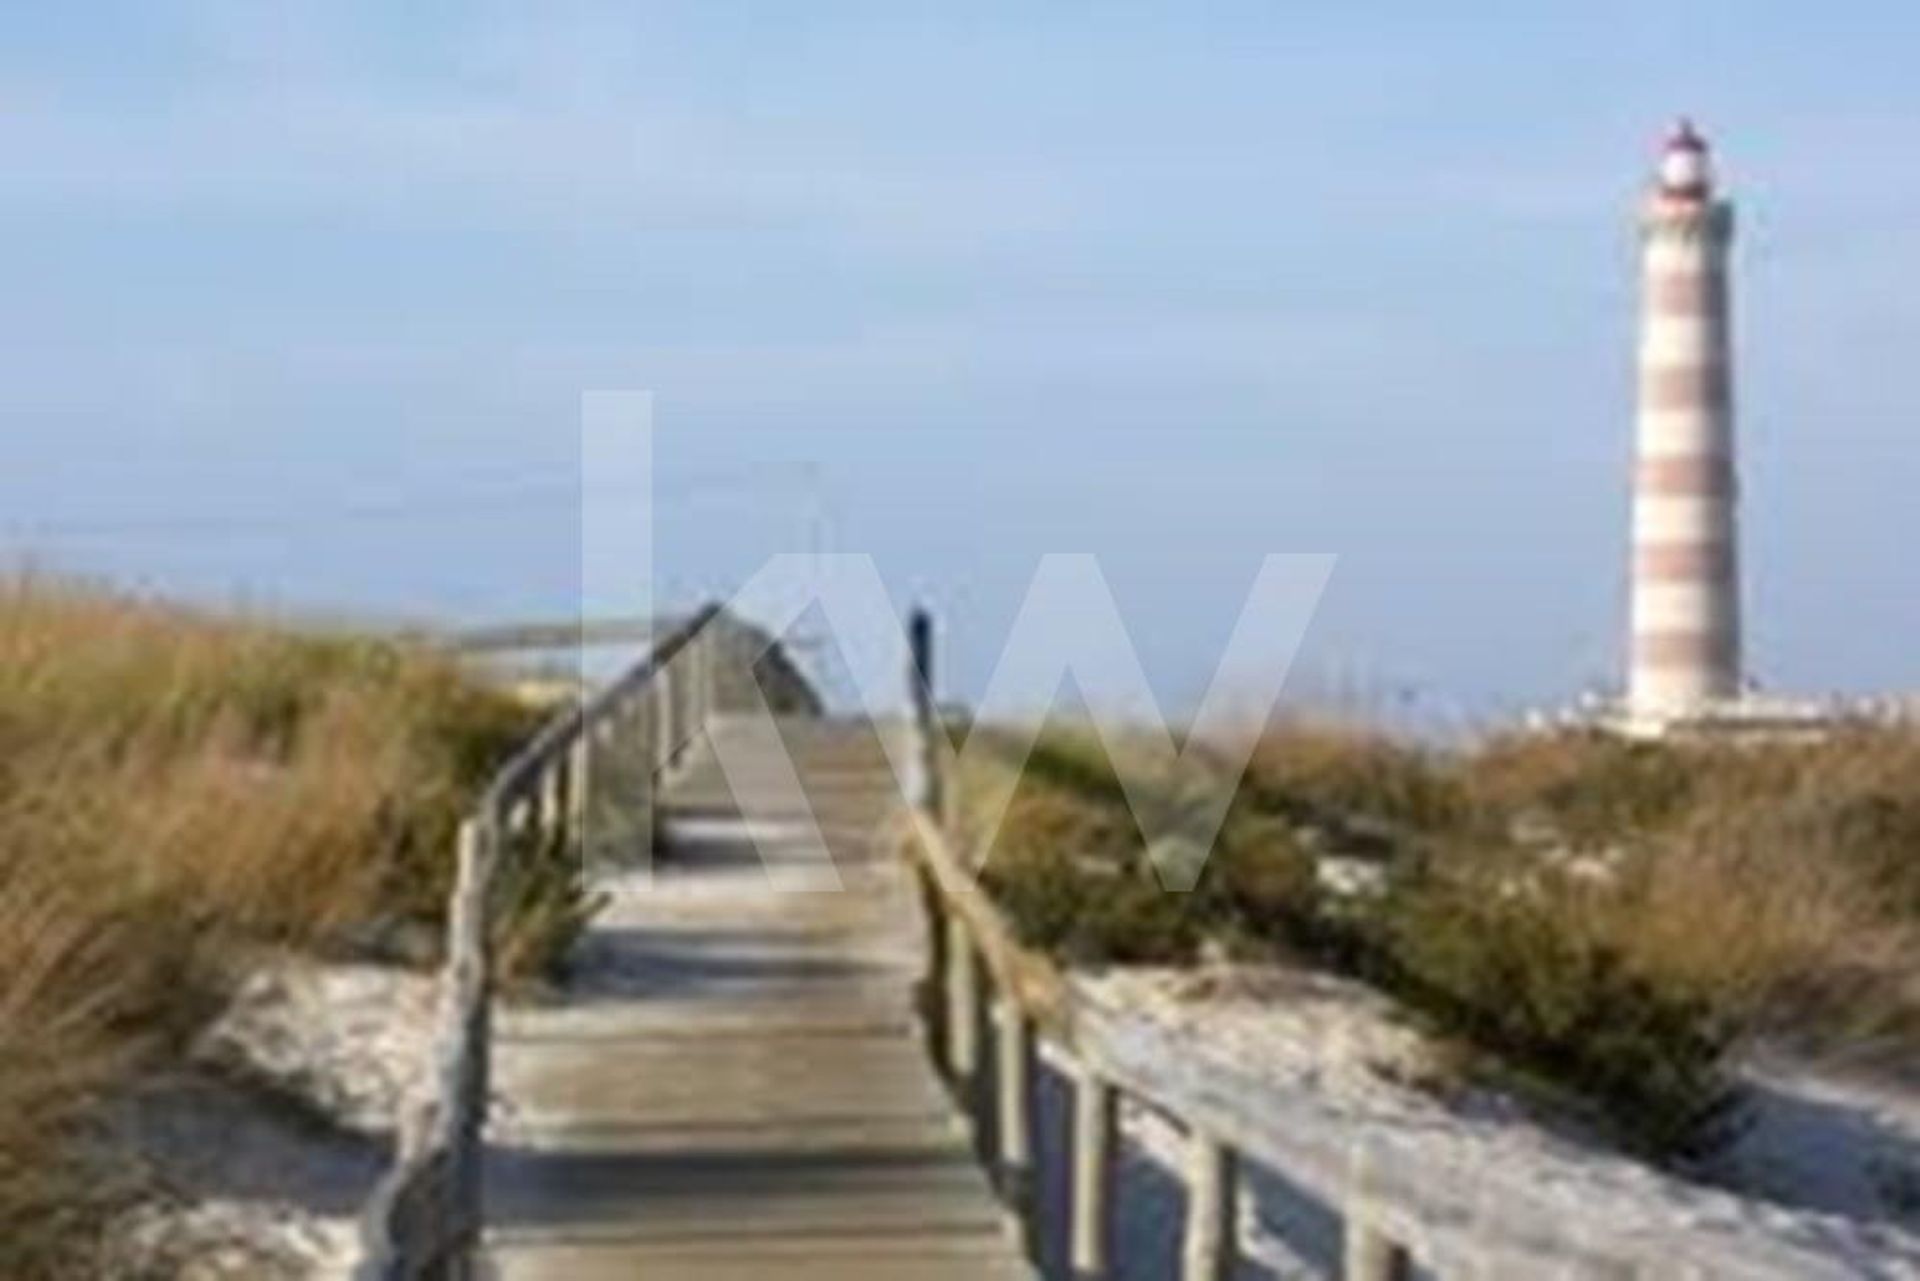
x: 1069, y: 625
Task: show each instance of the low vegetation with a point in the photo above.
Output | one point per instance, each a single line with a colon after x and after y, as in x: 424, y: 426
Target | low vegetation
x: 1600, y: 921
x: 176, y: 788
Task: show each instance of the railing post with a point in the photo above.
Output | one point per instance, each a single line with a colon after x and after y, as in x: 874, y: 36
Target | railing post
x: 676, y: 683
x: 926, y: 717
x: 709, y: 673
x: 550, y: 811
x: 933, y: 994
x: 660, y: 723
x: 579, y: 757
x: 1013, y: 1076
x: 963, y: 1004
x: 697, y: 676
x: 468, y: 993
x: 1369, y: 1253
x: 1207, y: 1245
x: 1096, y: 1110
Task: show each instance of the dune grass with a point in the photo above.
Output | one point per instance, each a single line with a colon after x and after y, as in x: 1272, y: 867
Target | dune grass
x: 175, y: 786
x: 1600, y: 921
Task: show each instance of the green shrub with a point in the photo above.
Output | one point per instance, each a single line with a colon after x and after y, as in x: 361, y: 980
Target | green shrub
x: 1075, y: 762
x: 542, y: 906
x: 1503, y: 968
x: 1091, y: 915
x: 1518, y: 962
x: 1266, y: 883
x: 1593, y: 788
x: 1715, y: 891
x: 1326, y: 772
x: 1072, y: 873
x: 1874, y: 833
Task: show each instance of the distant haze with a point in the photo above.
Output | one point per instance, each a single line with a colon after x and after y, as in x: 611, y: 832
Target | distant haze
x: 1175, y: 289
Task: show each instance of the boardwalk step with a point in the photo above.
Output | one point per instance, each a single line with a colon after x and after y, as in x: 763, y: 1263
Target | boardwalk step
x: 928, y: 1256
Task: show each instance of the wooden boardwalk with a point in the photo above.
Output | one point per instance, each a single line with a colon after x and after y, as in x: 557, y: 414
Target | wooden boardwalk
x: 736, y: 1084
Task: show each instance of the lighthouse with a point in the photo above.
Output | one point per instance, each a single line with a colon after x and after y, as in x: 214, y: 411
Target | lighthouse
x: 1684, y: 656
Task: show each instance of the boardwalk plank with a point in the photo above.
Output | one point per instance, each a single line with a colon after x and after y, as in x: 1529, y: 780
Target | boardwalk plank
x: 735, y: 1086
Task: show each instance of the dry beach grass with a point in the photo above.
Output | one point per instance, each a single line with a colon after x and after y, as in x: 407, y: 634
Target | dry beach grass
x: 1604, y: 923
x: 175, y: 786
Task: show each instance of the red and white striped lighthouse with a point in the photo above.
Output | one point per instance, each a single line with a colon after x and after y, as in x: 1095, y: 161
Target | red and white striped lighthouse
x: 1685, y: 642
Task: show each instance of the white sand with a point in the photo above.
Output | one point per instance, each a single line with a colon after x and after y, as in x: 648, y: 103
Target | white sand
x: 1814, y: 1183
x: 266, y: 1151
x: 263, y: 1149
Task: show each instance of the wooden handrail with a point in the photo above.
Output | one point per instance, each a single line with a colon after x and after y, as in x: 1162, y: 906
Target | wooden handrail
x: 556, y: 737
x: 424, y: 1220
x: 1398, y: 1205
x: 1012, y: 966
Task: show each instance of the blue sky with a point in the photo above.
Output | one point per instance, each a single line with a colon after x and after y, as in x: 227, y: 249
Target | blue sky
x: 1179, y: 285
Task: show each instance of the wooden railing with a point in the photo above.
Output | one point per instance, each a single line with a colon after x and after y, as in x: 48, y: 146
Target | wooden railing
x: 424, y: 1220
x: 995, y: 1009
